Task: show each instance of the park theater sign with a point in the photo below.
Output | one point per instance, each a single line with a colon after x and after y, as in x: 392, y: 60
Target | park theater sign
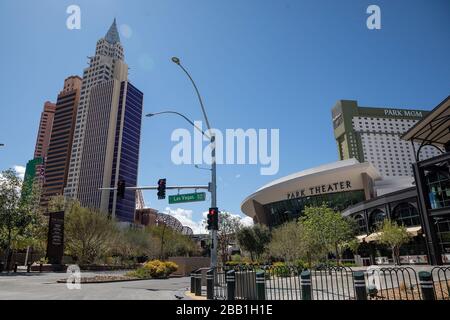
x: 339, y: 186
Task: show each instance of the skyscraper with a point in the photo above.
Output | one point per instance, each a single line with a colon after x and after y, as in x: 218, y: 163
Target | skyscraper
x: 45, y: 130
x: 34, y: 171
x: 373, y: 135
x: 105, y: 146
x: 58, y: 157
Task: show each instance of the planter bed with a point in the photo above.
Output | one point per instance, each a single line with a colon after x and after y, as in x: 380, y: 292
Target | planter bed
x: 106, y: 279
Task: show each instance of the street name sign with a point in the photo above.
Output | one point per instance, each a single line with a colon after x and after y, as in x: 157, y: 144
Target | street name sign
x: 189, y: 197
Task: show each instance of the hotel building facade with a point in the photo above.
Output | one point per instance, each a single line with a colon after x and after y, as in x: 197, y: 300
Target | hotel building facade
x: 34, y: 172
x: 57, y: 164
x: 105, y: 147
x: 374, y: 135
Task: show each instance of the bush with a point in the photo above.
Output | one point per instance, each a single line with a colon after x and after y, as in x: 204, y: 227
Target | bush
x: 233, y: 263
x: 154, y: 269
x: 159, y: 269
x: 236, y: 258
x: 300, y: 264
x: 141, y: 273
x: 280, y: 269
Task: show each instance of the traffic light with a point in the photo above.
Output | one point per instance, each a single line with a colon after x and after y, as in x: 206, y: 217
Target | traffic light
x: 213, y: 219
x: 121, y: 189
x: 161, y: 189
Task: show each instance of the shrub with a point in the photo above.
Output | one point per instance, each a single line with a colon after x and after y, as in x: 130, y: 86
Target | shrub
x: 236, y: 258
x: 233, y: 263
x: 160, y: 269
x: 280, y: 269
x: 141, y: 273
x: 301, y: 265
x: 154, y: 269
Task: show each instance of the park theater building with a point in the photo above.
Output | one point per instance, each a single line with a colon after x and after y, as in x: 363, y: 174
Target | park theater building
x: 339, y: 185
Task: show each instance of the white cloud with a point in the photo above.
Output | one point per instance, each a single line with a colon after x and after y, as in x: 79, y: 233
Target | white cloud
x: 247, y: 221
x: 20, y: 171
x: 238, y: 176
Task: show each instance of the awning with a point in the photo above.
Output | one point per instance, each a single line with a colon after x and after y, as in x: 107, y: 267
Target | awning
x: 414, y: 231
x: 361, y: 238
x: 433, y: 128
x: 373, y: 237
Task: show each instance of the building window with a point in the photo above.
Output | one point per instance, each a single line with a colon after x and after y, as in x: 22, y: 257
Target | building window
x: 437, y: 183
x: 361, y: 223
x: 376, y: 219
x: 406, y: 215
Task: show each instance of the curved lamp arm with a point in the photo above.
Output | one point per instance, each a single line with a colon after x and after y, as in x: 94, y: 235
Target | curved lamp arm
x: 178, y: 62
x: 181, y: 115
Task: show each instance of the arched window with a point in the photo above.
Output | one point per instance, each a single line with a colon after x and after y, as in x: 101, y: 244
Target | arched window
x: 376, y: 219
x: 361, y: 223
x: 406, y: 215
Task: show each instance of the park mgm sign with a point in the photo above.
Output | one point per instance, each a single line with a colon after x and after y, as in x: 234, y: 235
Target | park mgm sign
x: 338, y: 186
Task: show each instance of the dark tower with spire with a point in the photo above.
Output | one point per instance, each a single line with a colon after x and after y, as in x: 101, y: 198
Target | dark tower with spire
x: 106, y: 142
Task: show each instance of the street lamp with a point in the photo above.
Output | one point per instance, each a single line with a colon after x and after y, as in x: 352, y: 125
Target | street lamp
x: 213, y: 184
x: 181, y: 115
x: 213, y: 176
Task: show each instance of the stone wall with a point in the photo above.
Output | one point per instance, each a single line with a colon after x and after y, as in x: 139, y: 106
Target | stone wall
x: 188, y: 264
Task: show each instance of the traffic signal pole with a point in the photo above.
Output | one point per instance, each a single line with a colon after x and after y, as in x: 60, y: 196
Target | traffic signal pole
x: 156, y: 187
x: 213, y: 190
x: 213, y: 186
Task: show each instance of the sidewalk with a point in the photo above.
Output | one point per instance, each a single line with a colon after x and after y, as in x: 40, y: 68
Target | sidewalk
x: 194, y: 297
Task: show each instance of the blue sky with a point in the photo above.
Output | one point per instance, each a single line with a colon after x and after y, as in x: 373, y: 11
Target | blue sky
x: 258, y: 64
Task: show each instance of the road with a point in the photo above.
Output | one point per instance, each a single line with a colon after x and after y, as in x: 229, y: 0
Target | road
x: 43, y: 286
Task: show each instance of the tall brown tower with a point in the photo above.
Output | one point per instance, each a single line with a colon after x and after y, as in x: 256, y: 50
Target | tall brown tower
x: 58, y: 157
x: 45, y: 130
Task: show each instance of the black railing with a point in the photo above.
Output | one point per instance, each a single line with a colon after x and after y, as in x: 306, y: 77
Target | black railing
x: 268, y: 282
x: 393, y: 283
x: 441, y: 282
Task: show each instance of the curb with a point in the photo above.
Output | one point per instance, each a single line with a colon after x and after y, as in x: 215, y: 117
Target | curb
x: 194, y: 297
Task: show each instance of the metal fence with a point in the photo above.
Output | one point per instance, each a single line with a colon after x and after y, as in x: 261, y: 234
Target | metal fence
x: 393, y: 283
x: 441, y: 282
x: 268, y: 282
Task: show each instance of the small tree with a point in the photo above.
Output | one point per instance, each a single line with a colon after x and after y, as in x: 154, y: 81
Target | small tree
x: 170, y: 242
x: 286, y: 243
x: 254, y: 239
x: 89, y: 234
x: 229, y: 226
x: 327, y: 228
x: 132, y: 243
x: 394, y: 236
x: 20, y: 220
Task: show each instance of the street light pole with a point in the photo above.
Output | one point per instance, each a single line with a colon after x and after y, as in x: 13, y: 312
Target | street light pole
x: 213, y: 188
